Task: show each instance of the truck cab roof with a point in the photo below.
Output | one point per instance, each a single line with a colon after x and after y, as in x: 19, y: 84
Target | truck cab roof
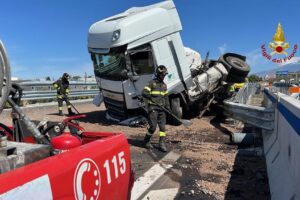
x: 134, y: 27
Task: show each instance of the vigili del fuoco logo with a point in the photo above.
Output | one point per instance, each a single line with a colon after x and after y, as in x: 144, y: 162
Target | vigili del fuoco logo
x: 279, y: 48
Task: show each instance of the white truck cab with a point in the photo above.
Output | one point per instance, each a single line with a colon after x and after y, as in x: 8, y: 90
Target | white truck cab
x: 126, y: 49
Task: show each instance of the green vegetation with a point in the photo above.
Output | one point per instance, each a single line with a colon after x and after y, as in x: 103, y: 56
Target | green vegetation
x: 254, y: 78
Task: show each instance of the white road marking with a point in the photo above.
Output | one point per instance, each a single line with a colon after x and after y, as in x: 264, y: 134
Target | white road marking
x: 164, y: 194
x: 143, y: 183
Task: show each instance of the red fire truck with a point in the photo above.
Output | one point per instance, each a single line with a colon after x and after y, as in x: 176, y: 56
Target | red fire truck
x: 51, y: 163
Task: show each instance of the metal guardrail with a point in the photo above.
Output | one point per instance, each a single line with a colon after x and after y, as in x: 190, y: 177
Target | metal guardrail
x: 256, y: 116
x: 239, y: 109
x: 245, y: 93
x: 50, y: 92
x: 285, y: 90
x: 281, y: 89
x: 49, y: 83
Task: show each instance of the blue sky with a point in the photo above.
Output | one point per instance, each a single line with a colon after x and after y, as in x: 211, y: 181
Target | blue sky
x: 49, y: 37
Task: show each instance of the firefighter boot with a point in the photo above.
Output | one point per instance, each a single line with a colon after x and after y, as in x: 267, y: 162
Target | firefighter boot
x: 60, y: 113
x: 147, y: 142
x: 70, y: 112
x: 162, y: 144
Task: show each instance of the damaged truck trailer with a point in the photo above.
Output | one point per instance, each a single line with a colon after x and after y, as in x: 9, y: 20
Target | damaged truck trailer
x: 126, y: 49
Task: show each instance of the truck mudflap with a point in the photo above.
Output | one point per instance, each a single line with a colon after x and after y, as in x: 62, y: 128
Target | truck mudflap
x: 91, y: 171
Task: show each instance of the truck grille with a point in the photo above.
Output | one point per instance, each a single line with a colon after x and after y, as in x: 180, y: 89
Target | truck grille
x: 116, y: 109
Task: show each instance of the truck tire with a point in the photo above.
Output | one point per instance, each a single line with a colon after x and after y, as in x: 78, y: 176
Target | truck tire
x: 4, y: 77
x: 176, y: 110
x: 235, y: 65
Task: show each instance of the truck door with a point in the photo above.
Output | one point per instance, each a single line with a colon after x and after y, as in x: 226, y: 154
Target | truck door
x: 164, y: 56
x: 141, y: 68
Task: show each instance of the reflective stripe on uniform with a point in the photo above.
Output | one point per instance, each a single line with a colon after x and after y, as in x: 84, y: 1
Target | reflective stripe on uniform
x: 147, y: 88
x: 153, y: 103
x: 60, y: 108
x: 69, y: 106
x: 67, y: 90
x: 159, y: 92
x: 55, y: 85
x: 59, y: 96
x: 162, y: 134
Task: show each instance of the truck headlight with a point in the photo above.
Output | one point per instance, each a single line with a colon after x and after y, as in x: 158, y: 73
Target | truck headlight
x: 116, y: 35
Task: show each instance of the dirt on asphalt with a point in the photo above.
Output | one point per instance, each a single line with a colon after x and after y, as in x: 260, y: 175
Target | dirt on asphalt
x: 212, y: 167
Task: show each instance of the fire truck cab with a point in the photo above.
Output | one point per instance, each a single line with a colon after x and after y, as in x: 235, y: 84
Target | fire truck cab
x: 77, y: 165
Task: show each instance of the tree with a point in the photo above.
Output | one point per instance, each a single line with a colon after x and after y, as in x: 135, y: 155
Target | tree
x: 254, y: 78
x: 76, y: 78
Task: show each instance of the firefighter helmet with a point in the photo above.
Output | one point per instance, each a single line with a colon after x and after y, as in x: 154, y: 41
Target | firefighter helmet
x: 161, y: 69
x: 66, y: 76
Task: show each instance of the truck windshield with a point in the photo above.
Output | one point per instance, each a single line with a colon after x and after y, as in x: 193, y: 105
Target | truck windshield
x: 111, y: 66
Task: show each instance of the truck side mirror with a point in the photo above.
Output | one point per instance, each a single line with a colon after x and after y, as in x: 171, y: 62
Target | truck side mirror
x: 92, y: 57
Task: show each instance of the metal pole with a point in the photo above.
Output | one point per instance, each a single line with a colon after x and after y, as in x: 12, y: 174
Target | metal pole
x: 29, y: 125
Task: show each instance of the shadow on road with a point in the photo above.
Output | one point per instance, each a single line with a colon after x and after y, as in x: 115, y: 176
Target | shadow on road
x: 248, y: 178
x: 96, y: 117
x: 53, y: 114
x: 216, y: 122
x: 136, y: 142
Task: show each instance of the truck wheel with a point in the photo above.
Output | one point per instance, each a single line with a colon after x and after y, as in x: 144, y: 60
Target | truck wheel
x: 4, y: 77
x: 176, y: 108
x: 235, y: 64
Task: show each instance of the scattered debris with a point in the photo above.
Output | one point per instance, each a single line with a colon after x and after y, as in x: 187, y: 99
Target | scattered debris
x: 210, y: 166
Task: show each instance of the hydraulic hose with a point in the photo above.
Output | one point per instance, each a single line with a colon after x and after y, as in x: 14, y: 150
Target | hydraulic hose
x: 29, y: 125
x: 4, y: 76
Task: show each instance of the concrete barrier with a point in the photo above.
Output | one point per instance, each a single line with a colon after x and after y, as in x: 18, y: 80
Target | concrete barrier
x: 282, y: 147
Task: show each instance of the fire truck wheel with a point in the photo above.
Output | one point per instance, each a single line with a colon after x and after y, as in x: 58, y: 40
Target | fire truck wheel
x: 4, y: 77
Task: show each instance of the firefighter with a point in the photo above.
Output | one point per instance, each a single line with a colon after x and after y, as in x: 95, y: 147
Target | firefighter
x: 156, y: 93
x: 231, y: 91
x: 62, y: 87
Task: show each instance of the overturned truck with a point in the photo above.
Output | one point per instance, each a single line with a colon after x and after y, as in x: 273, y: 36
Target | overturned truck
x: 126, y: 49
